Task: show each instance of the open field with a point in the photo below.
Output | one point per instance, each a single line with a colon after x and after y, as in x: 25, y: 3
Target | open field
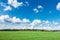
x: 29, y: 35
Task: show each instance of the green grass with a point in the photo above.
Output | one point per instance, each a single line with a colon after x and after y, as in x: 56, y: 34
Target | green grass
x: 29, y: 35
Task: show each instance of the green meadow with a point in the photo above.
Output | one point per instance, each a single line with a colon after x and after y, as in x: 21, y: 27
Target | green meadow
x: 29, y: 35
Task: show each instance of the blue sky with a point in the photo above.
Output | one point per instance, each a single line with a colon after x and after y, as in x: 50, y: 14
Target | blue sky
x: 27, y: 11
x: 31, y: 9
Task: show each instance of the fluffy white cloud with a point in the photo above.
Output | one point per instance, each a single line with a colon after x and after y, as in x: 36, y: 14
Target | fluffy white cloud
x: 10, y: 1
x: 3, y: 18
x: 25, y: 20
x: 36, y: 22
x: 7, y: 8
x: 14, y: 20
x: 47, y: 23
x: 15, y: 3
x: 17, y: 23
x: 56, y: 24
x: 58, y: 6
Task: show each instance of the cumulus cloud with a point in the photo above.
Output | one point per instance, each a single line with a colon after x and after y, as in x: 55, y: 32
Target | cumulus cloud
x: 10, y: 1
x: 36, y: 22
x: 7, y: 22
x: 16, y: 4
x: 14, y: 20
x: 25, y: 20
x: 3, y: 18
x: 58, y: 6
x: 56, y: 24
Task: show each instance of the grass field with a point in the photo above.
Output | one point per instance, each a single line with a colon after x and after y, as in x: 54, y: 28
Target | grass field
x: 29, y: 35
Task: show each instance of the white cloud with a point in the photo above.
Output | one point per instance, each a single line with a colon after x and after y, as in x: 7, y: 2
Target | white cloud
x: 26, y: 23
x: 7, y: 8
x: 36, y: 22
x: 12, y: 3
x: 40, y: 7
x: 14, y: 20
x: 47, y: 23
x: 3, y: 18
x: 25, y: 20
x: 56, y: 24
x: 36, y: 10
x: 58, y: 6
x: 6, y: 16
x: 15, y: 3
